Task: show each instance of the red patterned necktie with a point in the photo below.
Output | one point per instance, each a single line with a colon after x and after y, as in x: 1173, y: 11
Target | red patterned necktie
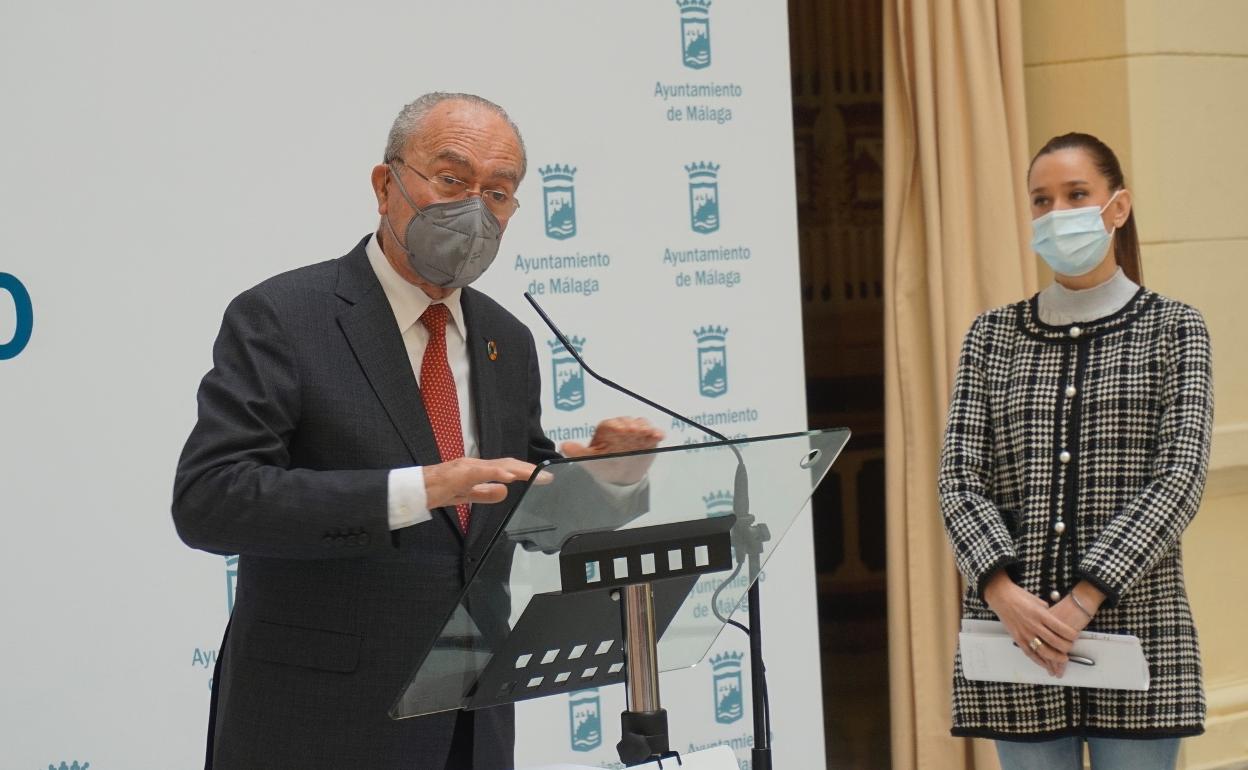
x: 437, y: 390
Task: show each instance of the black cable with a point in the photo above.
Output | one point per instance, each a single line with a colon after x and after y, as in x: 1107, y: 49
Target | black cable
x: 715, y: 601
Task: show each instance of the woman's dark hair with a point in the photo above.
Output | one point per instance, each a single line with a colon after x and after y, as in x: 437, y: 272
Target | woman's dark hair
x: 1126, y: 238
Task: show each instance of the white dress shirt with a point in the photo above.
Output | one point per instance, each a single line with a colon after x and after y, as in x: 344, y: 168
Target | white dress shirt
x: 407, y: 503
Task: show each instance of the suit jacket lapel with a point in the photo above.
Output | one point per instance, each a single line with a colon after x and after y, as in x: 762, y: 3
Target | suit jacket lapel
x: 378, y: 346
x: 483, y: 379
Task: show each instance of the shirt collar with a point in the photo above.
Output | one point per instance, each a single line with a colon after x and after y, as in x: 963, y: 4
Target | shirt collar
x: 1095, y: 302
x: 407, y: 301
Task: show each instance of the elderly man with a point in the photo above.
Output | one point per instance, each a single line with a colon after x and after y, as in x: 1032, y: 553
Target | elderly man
x: 356, y: 434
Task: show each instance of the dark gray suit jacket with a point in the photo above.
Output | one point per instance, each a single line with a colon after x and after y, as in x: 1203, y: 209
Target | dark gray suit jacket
x: 310, y: 402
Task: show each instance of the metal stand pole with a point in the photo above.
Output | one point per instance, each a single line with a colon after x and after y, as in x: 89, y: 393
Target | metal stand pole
x: 760, y: 755
x: 643, y: 733
x: 640, y: 641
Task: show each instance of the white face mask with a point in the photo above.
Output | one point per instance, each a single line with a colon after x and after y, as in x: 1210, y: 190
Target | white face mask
x: 1072, y: 241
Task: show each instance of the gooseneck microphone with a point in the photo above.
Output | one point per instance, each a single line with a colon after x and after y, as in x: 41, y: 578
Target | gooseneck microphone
x: 741, y: 487
x: 748, y: 535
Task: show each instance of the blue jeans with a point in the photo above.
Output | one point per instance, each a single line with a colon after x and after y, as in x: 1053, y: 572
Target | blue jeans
x: 1107, y: 754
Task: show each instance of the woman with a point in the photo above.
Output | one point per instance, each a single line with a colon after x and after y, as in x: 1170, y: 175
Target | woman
x: 1074, y: 457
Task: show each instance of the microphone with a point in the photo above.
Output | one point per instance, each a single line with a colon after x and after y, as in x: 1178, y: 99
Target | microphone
x: 741, y: 484
x: 748, y: 536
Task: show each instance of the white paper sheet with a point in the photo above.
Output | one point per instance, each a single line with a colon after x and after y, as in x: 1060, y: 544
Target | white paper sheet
x: 989, y: 655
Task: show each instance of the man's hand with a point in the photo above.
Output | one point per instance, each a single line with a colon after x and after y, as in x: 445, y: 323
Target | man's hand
x: 471, y: 480
x: 618, y: 434
x: 1027, y: 618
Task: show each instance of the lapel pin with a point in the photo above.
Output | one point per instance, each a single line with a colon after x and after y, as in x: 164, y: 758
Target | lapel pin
x: 491, y: 350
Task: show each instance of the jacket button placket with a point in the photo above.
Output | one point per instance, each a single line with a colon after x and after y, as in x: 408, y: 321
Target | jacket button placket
x: 1064, y: 457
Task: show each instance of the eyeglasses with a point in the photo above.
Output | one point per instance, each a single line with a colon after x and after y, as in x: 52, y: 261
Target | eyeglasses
x: 450, y: 188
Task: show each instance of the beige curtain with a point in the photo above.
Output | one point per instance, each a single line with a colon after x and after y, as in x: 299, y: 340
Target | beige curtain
x: 956, y: 231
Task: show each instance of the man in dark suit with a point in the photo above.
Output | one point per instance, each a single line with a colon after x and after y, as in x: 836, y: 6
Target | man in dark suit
x: 356, y: 434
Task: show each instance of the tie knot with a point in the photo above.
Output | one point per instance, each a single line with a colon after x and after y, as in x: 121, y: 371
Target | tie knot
x: 435, y: 316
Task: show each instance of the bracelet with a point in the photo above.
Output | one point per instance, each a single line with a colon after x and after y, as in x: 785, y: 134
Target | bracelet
x: 1079, y: 604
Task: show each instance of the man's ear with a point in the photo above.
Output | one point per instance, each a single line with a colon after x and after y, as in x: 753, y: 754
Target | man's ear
x: 380, y: 178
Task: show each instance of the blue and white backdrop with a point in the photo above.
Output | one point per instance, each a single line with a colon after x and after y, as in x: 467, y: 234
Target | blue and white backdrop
x: 158, y: 158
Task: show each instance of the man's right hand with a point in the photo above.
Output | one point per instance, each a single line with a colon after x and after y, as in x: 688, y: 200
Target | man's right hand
x: 1027, y: 617
x: 471, y: 480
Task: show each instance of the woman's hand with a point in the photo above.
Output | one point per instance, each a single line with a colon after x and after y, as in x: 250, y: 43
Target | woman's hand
x: 1068, y: 613
x: 1027, y: 618
x: 1074, y: 608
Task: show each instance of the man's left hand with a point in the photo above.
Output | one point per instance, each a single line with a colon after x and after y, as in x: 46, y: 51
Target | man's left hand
x: 618, y: 434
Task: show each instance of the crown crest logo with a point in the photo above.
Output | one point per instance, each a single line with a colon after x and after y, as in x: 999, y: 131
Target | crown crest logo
x: 556, y: 346
x: 559, y: 201
x: 727, y: 686
x: 712, y: 361
x: 74, y: 766
x: 695, y: 33
x: 718, y: 503
x: 568, y: 378
x: 703, y: 169
x: 585, y: 717
x: 557, y: 173
x: 711, y: 333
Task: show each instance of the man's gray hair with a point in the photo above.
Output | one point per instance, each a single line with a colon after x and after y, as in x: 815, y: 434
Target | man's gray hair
x: 411, y: 120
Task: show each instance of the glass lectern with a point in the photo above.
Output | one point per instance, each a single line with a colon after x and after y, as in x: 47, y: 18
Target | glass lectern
x: 590, y: 582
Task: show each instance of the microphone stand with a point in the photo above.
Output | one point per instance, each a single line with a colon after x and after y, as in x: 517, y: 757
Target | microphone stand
x: 748, y: 536
x: 751, y: 537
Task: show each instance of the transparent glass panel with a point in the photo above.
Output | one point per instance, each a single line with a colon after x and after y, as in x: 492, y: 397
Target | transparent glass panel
x: 515, y: 605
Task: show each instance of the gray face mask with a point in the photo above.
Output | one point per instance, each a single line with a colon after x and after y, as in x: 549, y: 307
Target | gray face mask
x: 449, y: 244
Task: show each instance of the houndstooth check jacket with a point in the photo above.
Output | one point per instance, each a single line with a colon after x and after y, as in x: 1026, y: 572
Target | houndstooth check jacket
x: 1105, y: 428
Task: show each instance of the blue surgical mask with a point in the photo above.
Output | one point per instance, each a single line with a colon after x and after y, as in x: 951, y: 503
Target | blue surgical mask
x: 1072, y: 241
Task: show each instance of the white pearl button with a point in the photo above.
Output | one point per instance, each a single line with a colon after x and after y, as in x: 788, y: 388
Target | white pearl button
x: 1054, y: 596
x: 1059, y: 527
x: 1064, y: 457
x: 1070, y: 391
x: 1075, y: 331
